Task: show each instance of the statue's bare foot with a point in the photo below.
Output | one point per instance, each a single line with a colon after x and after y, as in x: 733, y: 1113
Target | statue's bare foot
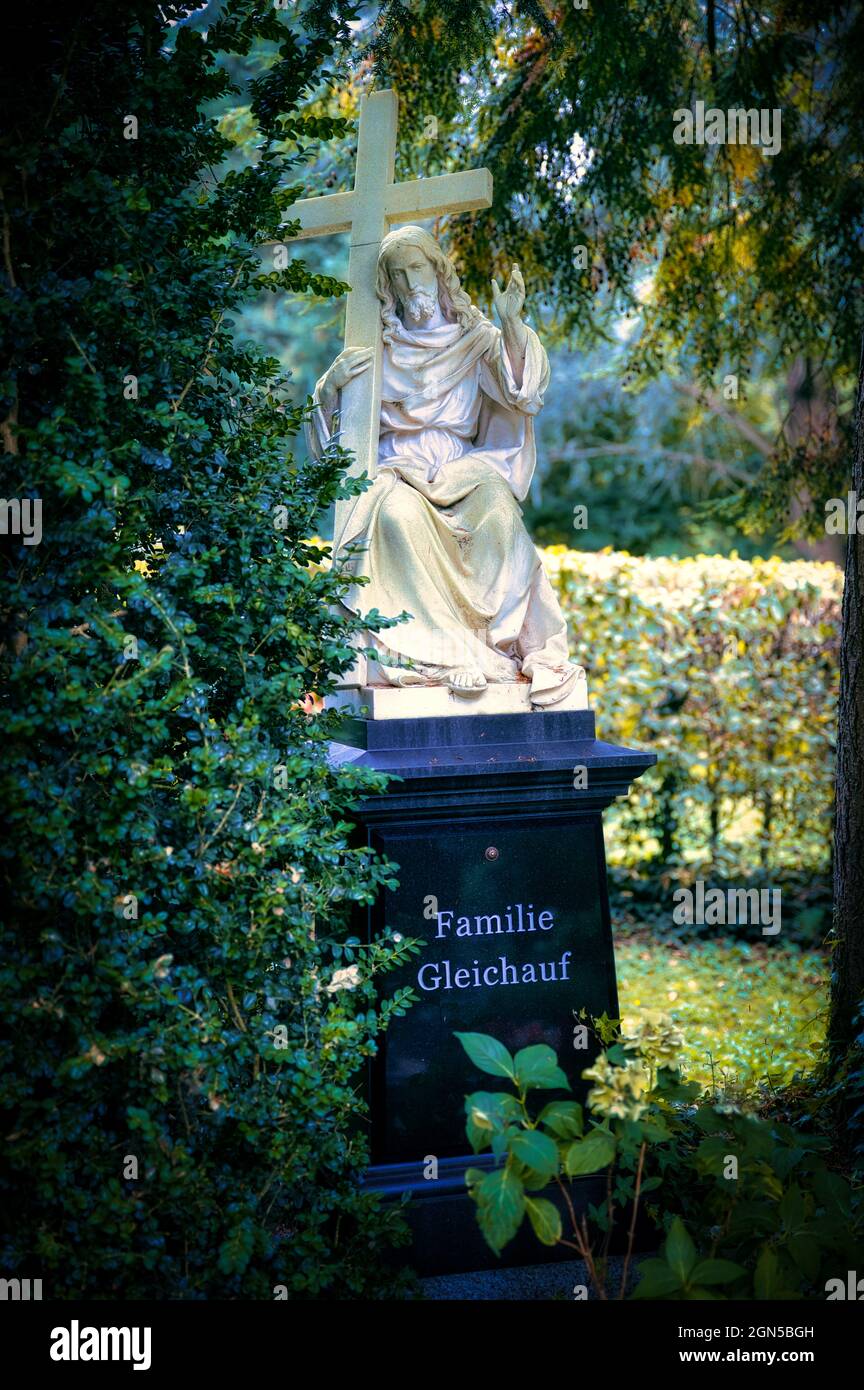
x: 466, y: 680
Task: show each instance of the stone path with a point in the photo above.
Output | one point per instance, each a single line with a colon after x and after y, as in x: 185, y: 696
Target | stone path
x: 529, y: 1283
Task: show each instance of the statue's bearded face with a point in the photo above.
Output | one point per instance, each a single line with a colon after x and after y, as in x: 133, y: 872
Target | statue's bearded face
x: 414, y: 281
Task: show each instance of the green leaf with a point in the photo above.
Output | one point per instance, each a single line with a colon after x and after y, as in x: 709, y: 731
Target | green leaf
x: 537, y: 1151
x: 607, y: 1028
x: 500, y: 1207
x: 656, y: 1129
x: 501, y: 1140
x: 537, y: 1069
x: 680, y: 1251
x: 833, y: 1191
x: 533, y: 1181
x: 563, y: 1118
x: 236, y: 1249
x: 488, y: 1113
x: 656, y: 1280
x: 709, y: 1121
x: 716, y: 1272
x: 488, y: 1054
x: 545, y: 1218
x: 590, y: 1154
x: 804, y: 1250
x: 793, y: 1209
x: 768, y: 1281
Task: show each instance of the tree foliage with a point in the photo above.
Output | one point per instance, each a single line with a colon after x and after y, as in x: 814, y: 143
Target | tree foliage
x: 185, y: 1012
x: 642, y: 471
x: 726, y: 260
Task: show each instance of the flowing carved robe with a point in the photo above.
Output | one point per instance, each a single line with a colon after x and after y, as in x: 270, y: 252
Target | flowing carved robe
x: 440, y: 527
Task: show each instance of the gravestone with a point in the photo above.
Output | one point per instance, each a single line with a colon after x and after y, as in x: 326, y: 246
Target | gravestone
x: 502, y: 875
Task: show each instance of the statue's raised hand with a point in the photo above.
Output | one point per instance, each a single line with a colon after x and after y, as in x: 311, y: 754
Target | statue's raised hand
x: 509, y: 302
x: 347, y: 365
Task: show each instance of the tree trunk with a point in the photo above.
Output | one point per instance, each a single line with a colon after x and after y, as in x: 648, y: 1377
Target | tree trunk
x: 767, y: 826
x: 812, y: 417
x: 847, y: 978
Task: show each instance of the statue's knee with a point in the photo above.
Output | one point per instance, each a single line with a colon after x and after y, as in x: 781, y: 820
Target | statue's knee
x: 401, y: 509
x: 500, y: 505
x: 496, y: 492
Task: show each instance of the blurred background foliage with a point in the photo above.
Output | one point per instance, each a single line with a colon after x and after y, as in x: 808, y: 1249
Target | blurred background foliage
x: 752, y: 1014
x: 727, y: 669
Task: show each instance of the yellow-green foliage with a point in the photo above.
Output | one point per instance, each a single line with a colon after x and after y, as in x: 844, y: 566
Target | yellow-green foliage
x: 727, y: 670
x: 749, y: 1013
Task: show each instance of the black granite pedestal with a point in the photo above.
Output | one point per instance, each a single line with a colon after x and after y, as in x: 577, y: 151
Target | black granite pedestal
x: 496, y: 825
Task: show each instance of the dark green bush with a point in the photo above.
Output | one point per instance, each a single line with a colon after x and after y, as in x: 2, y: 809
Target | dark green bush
x: 179, y: 1093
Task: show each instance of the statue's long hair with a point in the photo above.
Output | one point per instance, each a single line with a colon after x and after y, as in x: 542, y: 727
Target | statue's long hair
x: 455, y: 304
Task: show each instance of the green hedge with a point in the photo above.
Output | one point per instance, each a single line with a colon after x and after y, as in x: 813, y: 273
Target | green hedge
x: 728, y: 671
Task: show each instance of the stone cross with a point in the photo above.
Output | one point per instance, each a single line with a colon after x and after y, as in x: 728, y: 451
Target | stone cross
x: 367, y: 212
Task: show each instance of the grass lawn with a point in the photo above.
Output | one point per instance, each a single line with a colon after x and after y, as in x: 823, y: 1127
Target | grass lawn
x: 750, y: 1014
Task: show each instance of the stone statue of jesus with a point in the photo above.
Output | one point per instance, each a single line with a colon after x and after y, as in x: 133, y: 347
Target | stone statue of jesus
x: 439, y: 534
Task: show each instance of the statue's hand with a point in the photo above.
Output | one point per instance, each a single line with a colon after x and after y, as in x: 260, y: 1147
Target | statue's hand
x: 348, y: 364
x: 509, y: 302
